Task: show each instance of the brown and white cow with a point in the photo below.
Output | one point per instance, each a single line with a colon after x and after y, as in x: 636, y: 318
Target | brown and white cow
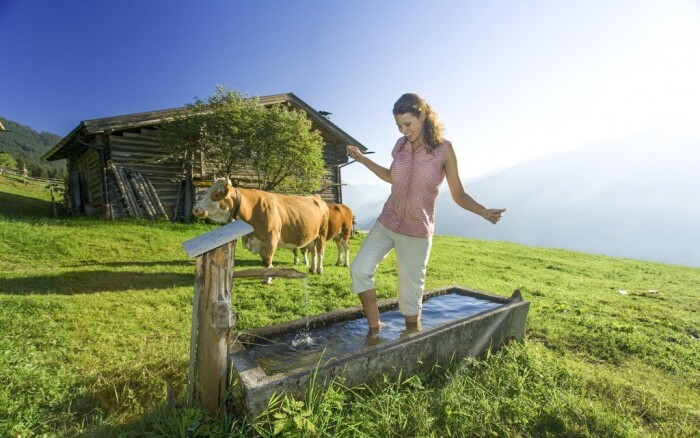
x: 286, y: 221
x: 339, y: 229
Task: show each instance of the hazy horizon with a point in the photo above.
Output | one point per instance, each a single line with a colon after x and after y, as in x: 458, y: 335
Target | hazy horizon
x: 631, y: 197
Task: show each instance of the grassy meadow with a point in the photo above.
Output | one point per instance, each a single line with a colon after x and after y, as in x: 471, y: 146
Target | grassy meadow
x: 95, y: 321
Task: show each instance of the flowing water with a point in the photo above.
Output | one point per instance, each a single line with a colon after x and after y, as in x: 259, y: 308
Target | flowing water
x: 294, y: 350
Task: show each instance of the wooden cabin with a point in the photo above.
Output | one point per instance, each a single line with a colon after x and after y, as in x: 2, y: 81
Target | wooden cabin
x: 117, y: 166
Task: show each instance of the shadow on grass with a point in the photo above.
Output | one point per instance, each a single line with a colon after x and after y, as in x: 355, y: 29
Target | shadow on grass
x: 103, y: 280
x: 239, y: 263
x: 87, y: 282
x: 134, y: 263
x: 18, y: 206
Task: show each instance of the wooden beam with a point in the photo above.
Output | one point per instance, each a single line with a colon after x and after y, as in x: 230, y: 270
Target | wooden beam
x: 215, y: 238
x: 212, y: 314
x: 269, y: 273
x: 212, y: 319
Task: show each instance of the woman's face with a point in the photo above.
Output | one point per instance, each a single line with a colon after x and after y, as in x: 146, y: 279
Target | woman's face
x: 410, y: 125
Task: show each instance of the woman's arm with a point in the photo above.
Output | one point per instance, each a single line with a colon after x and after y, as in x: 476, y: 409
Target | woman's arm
x: 461, y: 197
x: 380, y: 171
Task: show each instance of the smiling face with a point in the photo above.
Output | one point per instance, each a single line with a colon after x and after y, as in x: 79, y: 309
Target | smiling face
x: 411, y: 126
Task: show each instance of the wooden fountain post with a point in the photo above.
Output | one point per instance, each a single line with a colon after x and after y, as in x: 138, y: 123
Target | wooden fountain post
x: 212, y: 315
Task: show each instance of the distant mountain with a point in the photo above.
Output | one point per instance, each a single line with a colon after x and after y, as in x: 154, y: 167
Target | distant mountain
x: 635, y: 197
x: 366, y: 202
x: 27, y: 145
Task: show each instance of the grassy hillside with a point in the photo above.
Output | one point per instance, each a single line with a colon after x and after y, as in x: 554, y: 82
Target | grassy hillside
x: 28, y: 146
x: 96, y: 315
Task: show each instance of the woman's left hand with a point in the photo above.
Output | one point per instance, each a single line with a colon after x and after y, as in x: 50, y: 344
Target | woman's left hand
x: 493, y: 215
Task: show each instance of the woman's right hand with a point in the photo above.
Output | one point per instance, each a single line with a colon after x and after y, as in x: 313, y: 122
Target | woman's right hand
x: 355, y: 153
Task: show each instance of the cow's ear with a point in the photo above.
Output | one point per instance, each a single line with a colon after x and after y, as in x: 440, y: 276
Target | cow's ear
x: 230, y: 191
x: 222, y: 193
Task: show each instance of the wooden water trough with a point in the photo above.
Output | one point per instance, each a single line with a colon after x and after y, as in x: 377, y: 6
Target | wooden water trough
x: 217, y: 365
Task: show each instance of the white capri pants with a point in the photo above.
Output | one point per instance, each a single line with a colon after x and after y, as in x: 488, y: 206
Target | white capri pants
x: 412, y: 255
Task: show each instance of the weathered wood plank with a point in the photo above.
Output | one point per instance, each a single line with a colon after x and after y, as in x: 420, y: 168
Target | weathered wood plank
x: 129, y: 193
x: 141, y: 194
x: 131, y: 209
x: 217, y: 237
x: 269, y: 272
x: 154, y: 197
x: 141, y: 153
x: 118, y: 140
x: 212, y: 319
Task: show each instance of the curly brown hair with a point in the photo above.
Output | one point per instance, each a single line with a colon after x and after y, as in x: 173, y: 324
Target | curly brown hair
x: 414, y: 104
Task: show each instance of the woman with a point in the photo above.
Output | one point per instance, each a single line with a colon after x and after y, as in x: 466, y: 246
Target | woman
x: 422, y: 159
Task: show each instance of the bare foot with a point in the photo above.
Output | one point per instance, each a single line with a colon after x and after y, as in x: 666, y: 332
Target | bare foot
x: 374, y: 330
x: 373, y: 335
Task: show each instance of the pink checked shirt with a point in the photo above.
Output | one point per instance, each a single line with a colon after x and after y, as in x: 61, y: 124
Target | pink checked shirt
x: 416, y: 178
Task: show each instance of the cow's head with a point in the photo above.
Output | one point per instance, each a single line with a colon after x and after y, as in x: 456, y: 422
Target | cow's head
x: 217, y: 202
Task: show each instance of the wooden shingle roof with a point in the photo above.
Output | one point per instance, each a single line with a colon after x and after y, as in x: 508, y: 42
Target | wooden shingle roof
x: 139, y: 120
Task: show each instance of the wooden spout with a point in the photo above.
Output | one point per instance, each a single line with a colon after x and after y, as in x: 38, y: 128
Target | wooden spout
x: 269, y: 273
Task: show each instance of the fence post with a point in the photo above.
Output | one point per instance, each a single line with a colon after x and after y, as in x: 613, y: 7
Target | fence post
x: 212, y: 315
x: 214, y: 319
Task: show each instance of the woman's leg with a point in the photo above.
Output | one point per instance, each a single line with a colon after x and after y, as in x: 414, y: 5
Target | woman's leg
x: 375, y: 248
x: 368, y: 299
x: 412, y: 254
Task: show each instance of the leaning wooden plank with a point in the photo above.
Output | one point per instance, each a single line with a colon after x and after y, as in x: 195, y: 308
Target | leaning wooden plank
x: 145, y: 193
x: 189, y: 195
x: 128, y: 193
x: 119, y: 190
x: 154, y: 197
x: 140, y: 196
x: 150, y: 195
x: 120, y: 184
x: 176, y: 208
x: 132, y: 196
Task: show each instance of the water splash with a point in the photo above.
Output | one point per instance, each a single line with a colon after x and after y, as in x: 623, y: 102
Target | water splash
x: 303, y: 340
x: 306, y: 304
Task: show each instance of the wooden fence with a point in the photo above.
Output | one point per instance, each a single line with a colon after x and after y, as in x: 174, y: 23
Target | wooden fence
x: 17, y: 174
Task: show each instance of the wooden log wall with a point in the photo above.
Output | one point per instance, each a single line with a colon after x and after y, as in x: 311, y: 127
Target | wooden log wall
x: 90, y: 172
x: 330, y: 186
x: 141, y: 152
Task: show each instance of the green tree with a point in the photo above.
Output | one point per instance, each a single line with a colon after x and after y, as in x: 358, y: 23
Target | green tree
x: 287, y: 152
x: 7, y: 160
x: 233, y: 132
x: 24, y: 143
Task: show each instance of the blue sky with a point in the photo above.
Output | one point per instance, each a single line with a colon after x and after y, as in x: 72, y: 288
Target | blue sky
x: 511, y: 80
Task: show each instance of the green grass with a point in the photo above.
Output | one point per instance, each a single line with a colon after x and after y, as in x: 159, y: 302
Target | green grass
x: 95, y: 322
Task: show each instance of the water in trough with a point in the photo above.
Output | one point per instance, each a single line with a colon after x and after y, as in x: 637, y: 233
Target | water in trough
x: 298, y: 349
